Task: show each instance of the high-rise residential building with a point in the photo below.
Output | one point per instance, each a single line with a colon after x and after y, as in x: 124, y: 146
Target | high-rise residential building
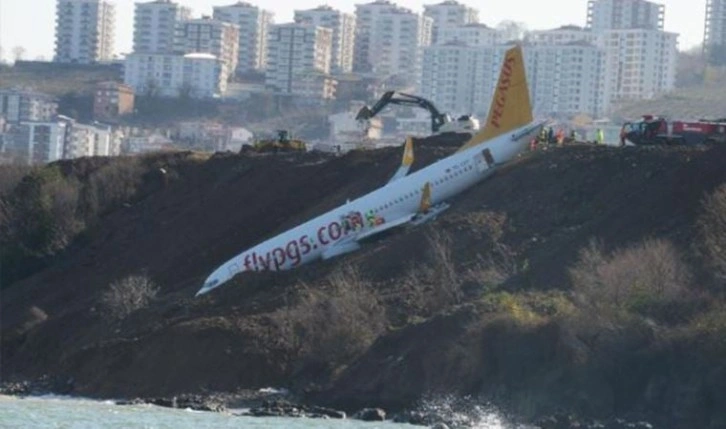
x: 640, y: 64
x: 563, y: 35
x: 21, y: 105
x: 158, y: 25
x: 449, y: 75
x: 343, y: 26
x: 84, y: 31
x: 476, y: 34
x: 714, y: 35
x: 299, y: 60
x: 567, y: 79
x: 449, y: 13
x: 390, y: 40
x: 212, y: 36
x: 564, y: 80
x: 624, y: 15
x: 196, y: 75
x: 254, y: 24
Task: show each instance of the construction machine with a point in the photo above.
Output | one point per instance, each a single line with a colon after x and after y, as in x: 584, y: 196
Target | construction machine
x: 283, y: 143
x: 655, y: 130
x: 440, y: 122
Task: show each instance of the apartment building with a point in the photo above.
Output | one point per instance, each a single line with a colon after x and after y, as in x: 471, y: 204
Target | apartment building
x: 624, y: 15
x: 564, y: 80
x: 112, y: 99
x: 567, y: 79
x: 24, y: 105
x: 475, y: 34
x: 254, y: 24
x: 449, y: 13
x: 343, y: 26
x: 196, y: 75
x: 88, y: 140
x: 715, y: 30
x: 158, y: 26
x: 36, y: 142
x: 299, y: 60
x: 448, y: 76
x: 640, y: 64
x: 390, y: 40
x: 563, y: 35
x: 84, y: 31
x: 212, y: 36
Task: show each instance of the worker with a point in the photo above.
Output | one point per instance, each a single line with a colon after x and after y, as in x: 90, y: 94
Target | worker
x: 560, y: 137
x: 600, y: 136
x: 573, y: 135
x: 543, y: 135
x: 551, y: 135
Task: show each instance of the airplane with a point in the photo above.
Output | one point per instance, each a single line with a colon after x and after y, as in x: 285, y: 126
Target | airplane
x: 406, y: 199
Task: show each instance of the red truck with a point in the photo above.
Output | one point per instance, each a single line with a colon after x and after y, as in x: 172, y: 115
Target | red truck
x: 654, y: 130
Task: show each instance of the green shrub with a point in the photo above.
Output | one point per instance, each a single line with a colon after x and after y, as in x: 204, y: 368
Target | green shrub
x: 640, y: 279
x: 712, y: 231
x: 335, y: 322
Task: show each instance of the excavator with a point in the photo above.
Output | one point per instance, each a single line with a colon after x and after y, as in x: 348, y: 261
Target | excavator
x: 440, y: 122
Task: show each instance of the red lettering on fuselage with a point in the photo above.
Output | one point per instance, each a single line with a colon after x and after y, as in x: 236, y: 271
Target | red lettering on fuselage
x: 294, y: 250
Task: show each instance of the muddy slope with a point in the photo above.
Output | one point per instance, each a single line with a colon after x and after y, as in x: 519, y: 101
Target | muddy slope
x: 553, y: 203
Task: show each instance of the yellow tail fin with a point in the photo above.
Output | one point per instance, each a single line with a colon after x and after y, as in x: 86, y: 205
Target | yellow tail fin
x: 408, y: 153
x: 425, y: 198
x: 510, y: 108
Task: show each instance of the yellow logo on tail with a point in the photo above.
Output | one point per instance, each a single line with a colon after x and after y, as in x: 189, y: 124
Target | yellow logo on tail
x: 510, y: 108
x: 408, y: 152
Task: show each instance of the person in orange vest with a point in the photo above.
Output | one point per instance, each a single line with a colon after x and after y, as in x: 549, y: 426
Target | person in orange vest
x: 560, y: 137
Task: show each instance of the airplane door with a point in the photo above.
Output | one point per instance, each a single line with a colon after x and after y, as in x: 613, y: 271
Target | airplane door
x: 485, y: 160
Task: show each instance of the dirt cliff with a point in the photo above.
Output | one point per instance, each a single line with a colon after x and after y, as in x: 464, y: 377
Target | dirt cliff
x: 492, y: 312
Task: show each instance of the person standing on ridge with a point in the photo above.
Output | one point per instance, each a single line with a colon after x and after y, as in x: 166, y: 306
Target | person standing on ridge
x: 600, y: 136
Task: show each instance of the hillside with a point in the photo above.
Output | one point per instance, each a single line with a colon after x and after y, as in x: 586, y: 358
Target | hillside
x: 684, y: 103
x: 505, y: 297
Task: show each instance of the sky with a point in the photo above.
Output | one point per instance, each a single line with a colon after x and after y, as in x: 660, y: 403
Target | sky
x: 31, y: 23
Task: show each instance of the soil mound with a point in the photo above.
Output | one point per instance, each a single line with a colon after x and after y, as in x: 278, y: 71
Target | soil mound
x: 545, y: 207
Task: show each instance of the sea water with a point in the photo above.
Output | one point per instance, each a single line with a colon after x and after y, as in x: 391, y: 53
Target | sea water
x: 49, y: 412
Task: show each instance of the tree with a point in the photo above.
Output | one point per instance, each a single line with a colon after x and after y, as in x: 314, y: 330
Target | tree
x: 18, y: 53
x: 691, y: 67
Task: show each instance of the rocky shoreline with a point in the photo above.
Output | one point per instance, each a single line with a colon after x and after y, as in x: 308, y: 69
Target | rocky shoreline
x: 281, y: 403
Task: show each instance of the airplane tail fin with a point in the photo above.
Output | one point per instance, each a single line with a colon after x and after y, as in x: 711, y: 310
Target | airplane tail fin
x: 511, y: 107
x: 406, y: 162
x: 408, y: 153
x: 425, y: 198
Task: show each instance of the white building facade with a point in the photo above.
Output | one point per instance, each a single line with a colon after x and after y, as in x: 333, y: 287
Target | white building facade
x: 299, y: 60
x: 193, y: 75
x: 449, y: 14
x: 390, y: 40
x: 715, y: 29
x: 476, y: 34
x: 158, y: 26
x: 215, y: 37
x: 563, y: 35
x: 564, y: 80
x: 641, y: 64
x: 343, y: 27
x: 21, y: 105
x: 624, y: 15
x: 254, y: 25
x: 84, y: 31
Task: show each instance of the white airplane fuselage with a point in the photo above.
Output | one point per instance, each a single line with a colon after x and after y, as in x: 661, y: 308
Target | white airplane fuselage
x: 395, y: 203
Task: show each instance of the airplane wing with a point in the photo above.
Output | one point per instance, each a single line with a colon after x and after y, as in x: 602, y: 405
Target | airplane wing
x: 353, y: 243
x: 406, y: 162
